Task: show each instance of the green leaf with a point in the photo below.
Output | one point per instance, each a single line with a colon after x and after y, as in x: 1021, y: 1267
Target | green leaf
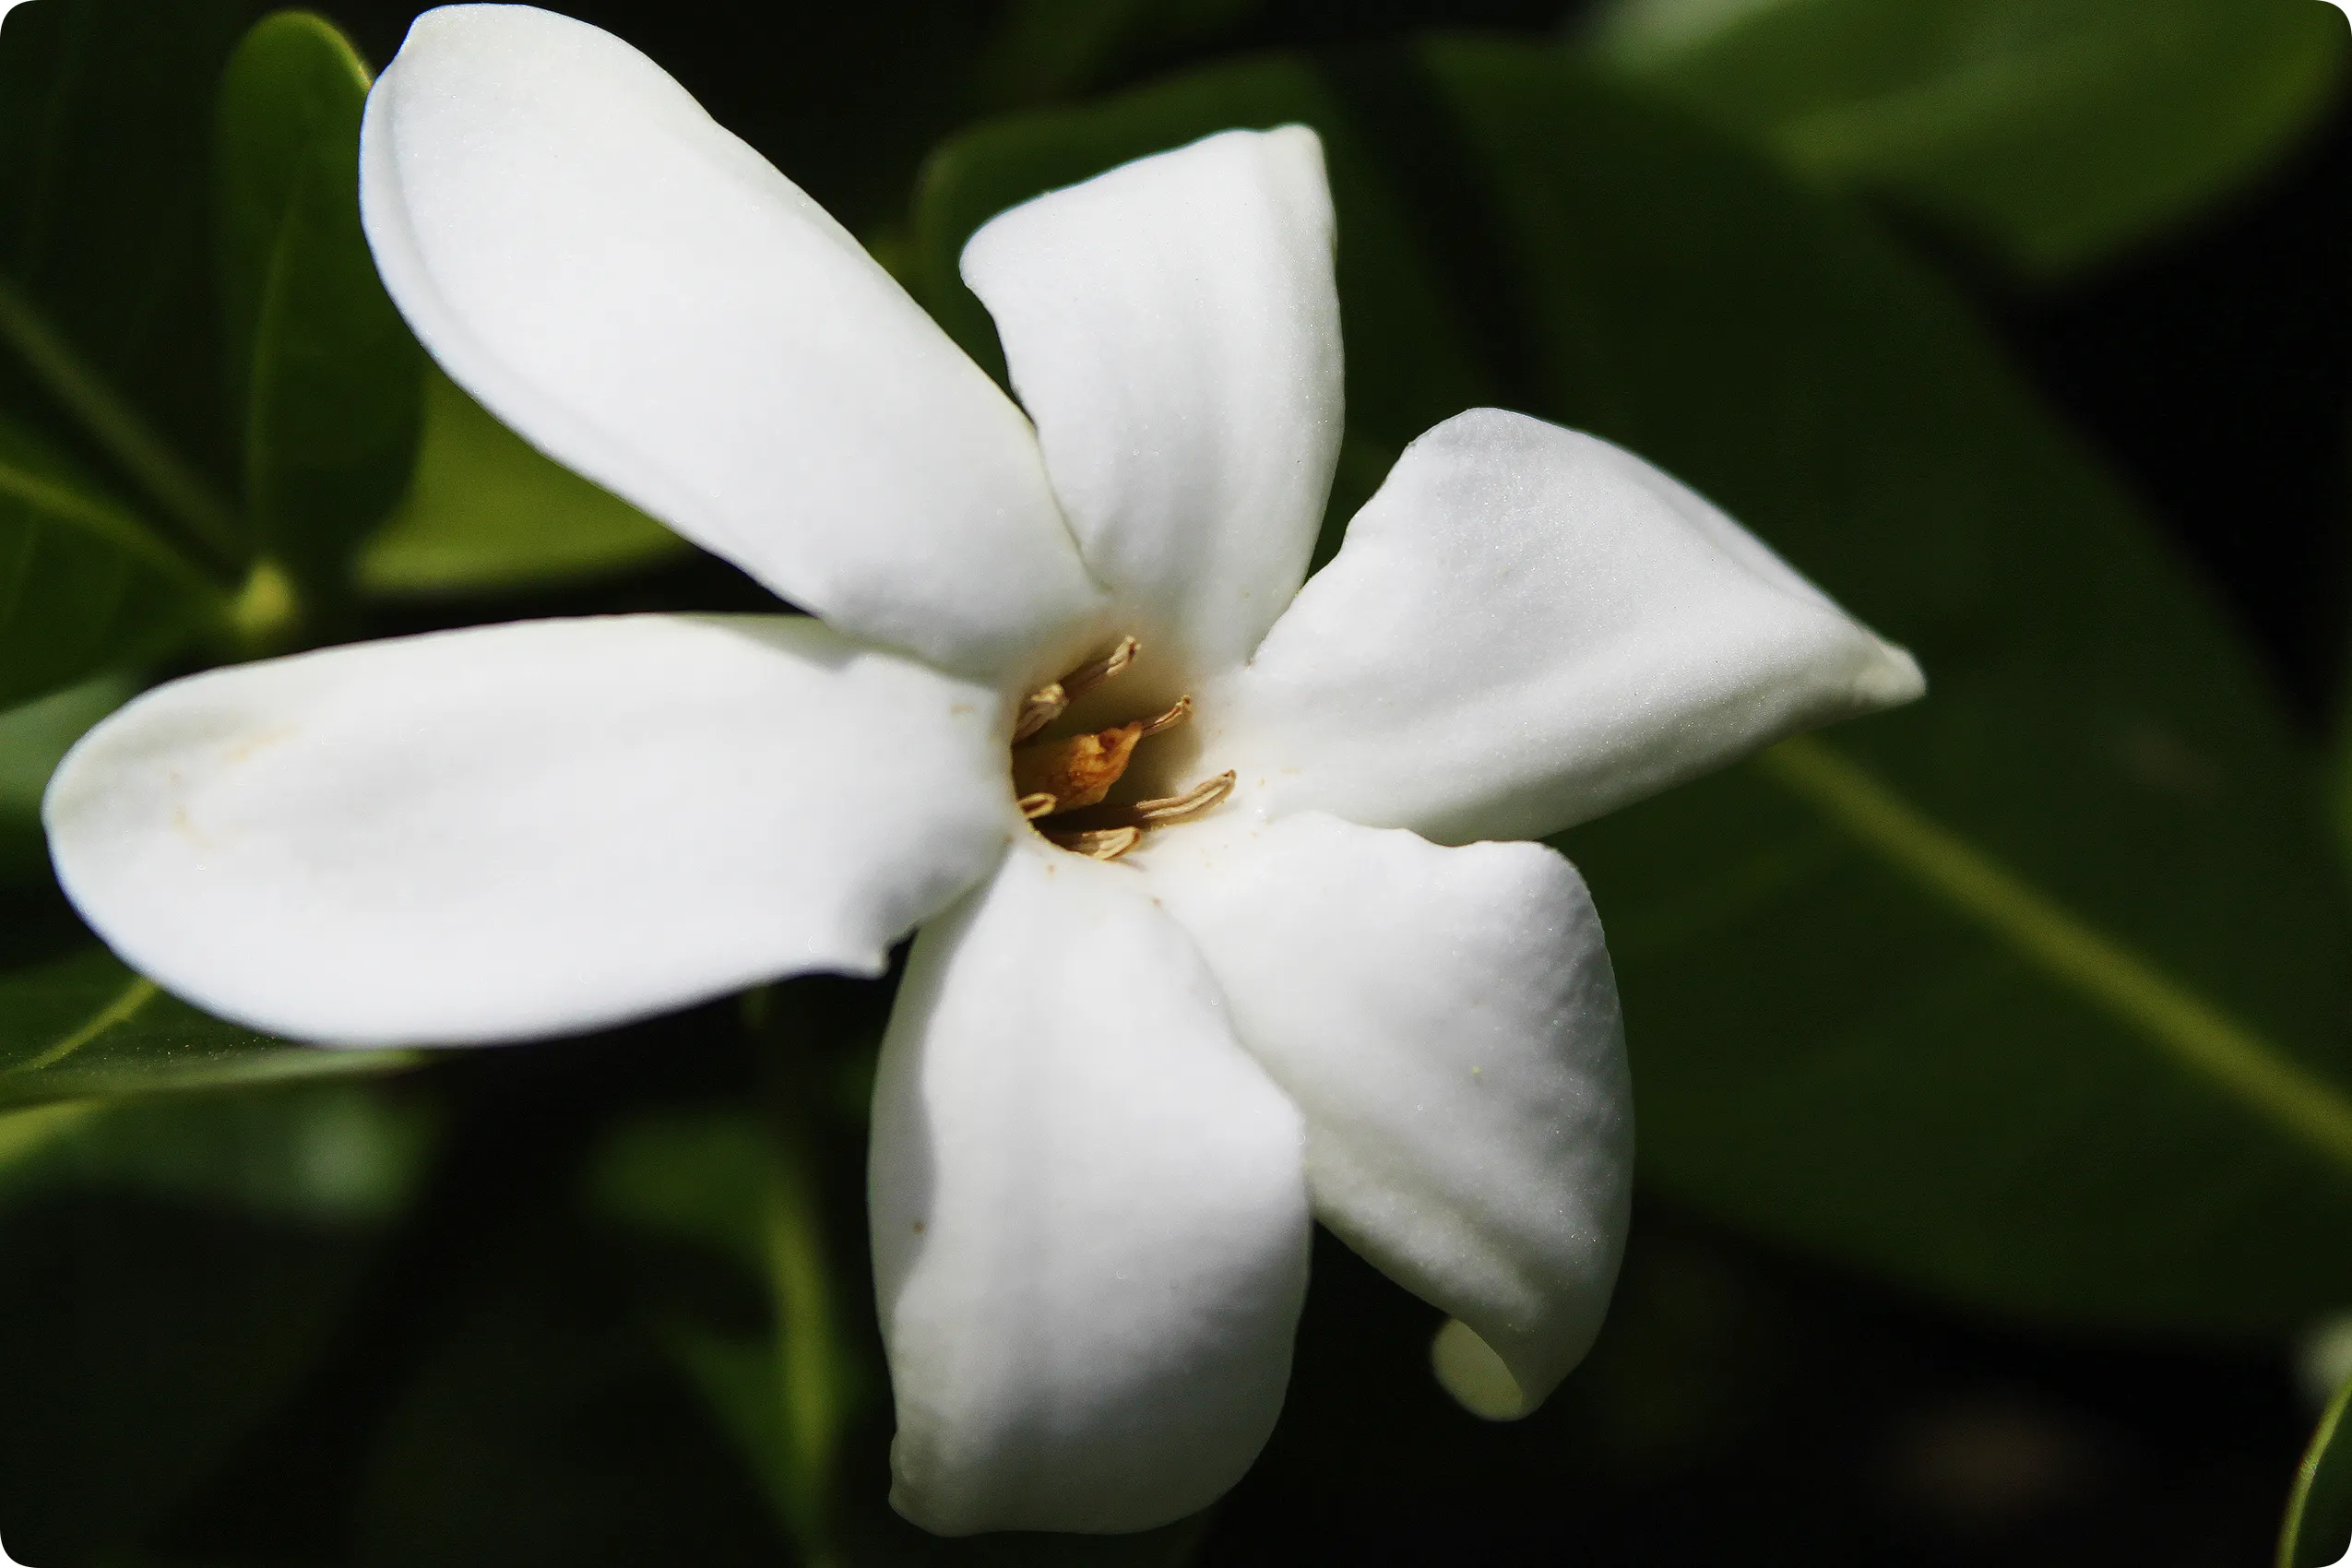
x: 2319, y: 1512
x: 323, y: 373
x: 106, y: 300
x: 1049, y: 48
x: 1407, y: 363
x: 174, y: 1266
x: 327, y: 1152
x: 2053, y: 132
x: 749, y: 1193
x: 141, y: 1342
x: 84, y: 584
x: 486, y: 511
x: 85, y: 1027
x: 33, y: 739
x: 2033, y: 993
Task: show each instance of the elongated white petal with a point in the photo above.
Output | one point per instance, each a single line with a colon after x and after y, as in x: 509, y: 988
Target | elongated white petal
x: 645, y: 298
x: 530, y: 829
x: 1090, y: 1215
x: 1174, y: 328
x: 1448, y: 1021
x: 1528, y: 627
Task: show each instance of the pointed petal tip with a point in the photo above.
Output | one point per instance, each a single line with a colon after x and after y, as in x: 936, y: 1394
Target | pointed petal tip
x: 1479, y: 1380
x: 1893, y: 679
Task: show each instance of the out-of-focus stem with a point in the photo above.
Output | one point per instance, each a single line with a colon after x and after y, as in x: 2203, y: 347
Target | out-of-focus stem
x: 812, y: 1401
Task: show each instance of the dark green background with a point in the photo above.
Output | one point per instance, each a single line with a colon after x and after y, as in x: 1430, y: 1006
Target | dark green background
x: 1935, y: 1261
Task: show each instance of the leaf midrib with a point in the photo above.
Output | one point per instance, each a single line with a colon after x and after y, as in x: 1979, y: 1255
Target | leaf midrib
x: 111, y: 420
x: 62, y: 504
x: 127, y: 1004
x: 2068, y: 949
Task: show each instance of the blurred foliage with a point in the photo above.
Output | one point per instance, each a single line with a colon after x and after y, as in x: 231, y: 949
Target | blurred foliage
x: 2050, y: 133
x: 175, y: 1266
x: 323, y: 375
x: 2319, y: 1514
x: 483, y: 511
x: 33, y: 739
x: 85, y: 1025
x: 2032, y: 998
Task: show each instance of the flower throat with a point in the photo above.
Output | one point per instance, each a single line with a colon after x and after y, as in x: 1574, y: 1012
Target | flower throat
x: 1060, y: 783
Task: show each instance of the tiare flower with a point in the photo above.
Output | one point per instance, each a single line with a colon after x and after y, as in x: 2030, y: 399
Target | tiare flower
x: 1228, y: 923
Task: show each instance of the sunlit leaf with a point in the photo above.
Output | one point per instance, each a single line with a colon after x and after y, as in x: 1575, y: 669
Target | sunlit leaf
x: 487, y: 511
x: 2036, y: 992
x: 84, y: 1026
x: 2053, y: 132
x: 322, y: 371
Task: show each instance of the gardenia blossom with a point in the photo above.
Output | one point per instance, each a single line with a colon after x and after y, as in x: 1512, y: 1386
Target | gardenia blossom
x: 1290, y: 964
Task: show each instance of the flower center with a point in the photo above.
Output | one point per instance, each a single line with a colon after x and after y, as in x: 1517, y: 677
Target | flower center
x: 1061, y: 783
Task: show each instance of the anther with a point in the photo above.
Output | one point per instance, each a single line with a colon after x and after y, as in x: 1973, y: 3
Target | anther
x: 1037, y: 805
x: 1039, y: 708
x: 1086, y: 677
x: 1107, y: 844
x: 1169, y: 721
x: 1183, y: 807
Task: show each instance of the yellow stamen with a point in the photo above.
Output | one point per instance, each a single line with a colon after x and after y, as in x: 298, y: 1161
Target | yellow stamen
x: 1169, y: 721
x: 1039, y: 708
x: 1086, y: 677
x: 1071, y: 774
x: 1187, y: 806
x: 1107, y: 844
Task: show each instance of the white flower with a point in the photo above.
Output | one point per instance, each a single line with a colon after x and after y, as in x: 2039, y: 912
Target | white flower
x: 1114, y: 1090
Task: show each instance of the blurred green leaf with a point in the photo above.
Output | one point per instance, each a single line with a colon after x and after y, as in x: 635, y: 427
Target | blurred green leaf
x: 2053, y: 132
x: 486, y: 511
x: 174, y: 1266
x: 1048, y: 49
x: 84, y: 585
x: 2319, y: 1512
x: 33, y: 738
x: 328, y: 1152
x: 106, y: 301
x: 751, y: 1193
x: 322, y: 371
x: 1407, y: 365
x: 139, y: 1342
x: 84, y: 1026
x: 540, y: 1424
x: 2033, y: 993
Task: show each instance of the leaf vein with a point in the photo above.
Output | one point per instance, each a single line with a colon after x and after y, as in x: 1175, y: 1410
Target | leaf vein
x: 126, y: 1007
x: 2126, y: 985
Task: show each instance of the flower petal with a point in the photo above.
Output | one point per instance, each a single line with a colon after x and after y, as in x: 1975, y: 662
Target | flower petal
x: 1174, y: 328
x: 1089, y: 1215
x: 648, y: 301
x: 1528, y: 627
x: 528, y: 830
x: 1447, y: 1019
